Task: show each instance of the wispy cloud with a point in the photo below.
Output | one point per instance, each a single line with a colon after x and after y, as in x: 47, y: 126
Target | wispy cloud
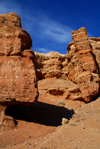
x: 44, y: 30
x: 55, y: 31
x: 42, y: 50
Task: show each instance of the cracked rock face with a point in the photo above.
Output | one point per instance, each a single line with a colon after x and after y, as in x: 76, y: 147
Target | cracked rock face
x: 82, y: 66
x: 17, y: 79
x: 18, y: 84
x: 17, y: 71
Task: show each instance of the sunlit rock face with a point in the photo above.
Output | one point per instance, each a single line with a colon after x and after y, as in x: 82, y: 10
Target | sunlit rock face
x: 95, y: 45
x: 18, y: 83
x: 79, y: 66
x: 73, y: 76
x: 82, y: 66
x: 17, y: 76
x: 50, y: 65
x: 80, y: 33
x: 13, y: 39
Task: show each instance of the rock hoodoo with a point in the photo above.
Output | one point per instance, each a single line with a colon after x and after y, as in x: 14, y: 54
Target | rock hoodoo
x: 17, y: 71
x: 82, y: 66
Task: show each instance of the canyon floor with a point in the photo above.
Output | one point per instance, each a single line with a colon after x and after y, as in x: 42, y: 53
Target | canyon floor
x: 39, y: 126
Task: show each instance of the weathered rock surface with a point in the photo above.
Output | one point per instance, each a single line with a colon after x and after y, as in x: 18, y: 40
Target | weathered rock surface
x: 13, y: 39
x: 80, y: 33
x: 50, y: 65
x: 18, y: 84
x: 10, y: 19
x: 95, y: 45
x: 80, y: 65
x: 74, y: 76
x: 59, y: 89
x: 17, y: 79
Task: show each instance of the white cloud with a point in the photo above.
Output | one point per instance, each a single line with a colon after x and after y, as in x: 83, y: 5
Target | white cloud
x: 52, y: 30
x: 58, y: 32
x: 41, y: 27
x: 42, y: 50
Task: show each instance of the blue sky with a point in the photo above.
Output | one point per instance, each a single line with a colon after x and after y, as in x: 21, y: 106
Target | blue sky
x: 50, y: 22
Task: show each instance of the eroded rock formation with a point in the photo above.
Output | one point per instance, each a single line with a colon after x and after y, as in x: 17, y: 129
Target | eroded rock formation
x: 50, y: 65
x: 82, y: 66
x: 13, y: 39
x: 73, y: 76
x: 17, y: 71
x: 95, y: 46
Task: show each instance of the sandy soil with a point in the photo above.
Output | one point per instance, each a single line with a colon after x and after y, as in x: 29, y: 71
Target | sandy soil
x: 39, y: 126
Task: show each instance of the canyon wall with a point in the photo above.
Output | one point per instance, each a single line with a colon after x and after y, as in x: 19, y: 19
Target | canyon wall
x: 73, y: 76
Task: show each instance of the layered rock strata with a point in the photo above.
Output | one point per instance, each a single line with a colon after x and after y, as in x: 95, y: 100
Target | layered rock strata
x: 50, y: 65
x: 13, y: 39
x: 74, y: 76
x: 82, y: 66
x: 79, y: 66
x: 18, y: 84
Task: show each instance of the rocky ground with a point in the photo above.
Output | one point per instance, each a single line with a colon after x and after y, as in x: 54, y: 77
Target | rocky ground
x: 39, y: 126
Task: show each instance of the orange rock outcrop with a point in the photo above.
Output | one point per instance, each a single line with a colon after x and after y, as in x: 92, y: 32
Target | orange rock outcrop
x: 18, y: 83
x: 73, y: 76
x: 82, y: 66
x: 13, y: 39
x: 50, y: 65
x: 79, y: 66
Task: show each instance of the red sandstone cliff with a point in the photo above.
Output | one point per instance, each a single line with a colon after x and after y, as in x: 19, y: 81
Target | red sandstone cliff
x: 17, y: 71
x: 73, y: 76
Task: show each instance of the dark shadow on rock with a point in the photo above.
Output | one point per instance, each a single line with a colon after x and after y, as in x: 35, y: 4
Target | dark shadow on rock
x: 41, y: 113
